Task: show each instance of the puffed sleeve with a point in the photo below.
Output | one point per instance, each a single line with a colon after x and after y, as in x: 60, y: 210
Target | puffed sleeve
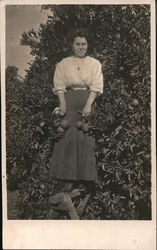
x: 59, y: 79
x: 97, y: 79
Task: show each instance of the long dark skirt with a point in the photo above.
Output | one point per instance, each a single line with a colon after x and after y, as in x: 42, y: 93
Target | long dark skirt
x: 73, y: 157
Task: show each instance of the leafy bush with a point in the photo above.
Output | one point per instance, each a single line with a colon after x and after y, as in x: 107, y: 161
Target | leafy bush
x: 121, y: 124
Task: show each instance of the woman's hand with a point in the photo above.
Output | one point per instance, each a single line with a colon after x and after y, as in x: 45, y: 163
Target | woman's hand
x: 88, y: 106
x: 86, y: 110
x: 62, y: 106
x: 62, y: 109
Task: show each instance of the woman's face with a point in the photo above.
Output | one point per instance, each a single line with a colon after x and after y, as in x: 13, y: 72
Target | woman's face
x: 80, y: 47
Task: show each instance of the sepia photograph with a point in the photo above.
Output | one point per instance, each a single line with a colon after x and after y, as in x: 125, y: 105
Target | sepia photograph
x: 78, y: 112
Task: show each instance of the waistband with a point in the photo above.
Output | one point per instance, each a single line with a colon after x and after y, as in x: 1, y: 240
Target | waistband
x: 77, y: 88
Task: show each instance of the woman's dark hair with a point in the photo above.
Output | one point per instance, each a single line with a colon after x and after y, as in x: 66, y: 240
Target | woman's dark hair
x: 80, y: 32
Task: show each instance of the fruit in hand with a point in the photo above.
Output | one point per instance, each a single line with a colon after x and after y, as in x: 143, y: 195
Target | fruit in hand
x: 79, y: 125
x: 85, y: 127
x: 60, y: 130
x: 56, y: 122
x: 65, y: 124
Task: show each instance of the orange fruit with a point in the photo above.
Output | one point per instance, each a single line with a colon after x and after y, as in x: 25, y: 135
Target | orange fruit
x: 132, y: 74
x: 79, y: 125
x: 56, y: 122
x: 136, y: 197
x: 85, y: 128
x: 135, y: 102
x: 121, y: 68
x: 65, y: 124
x: 60, y: 130
x: 118, y: 35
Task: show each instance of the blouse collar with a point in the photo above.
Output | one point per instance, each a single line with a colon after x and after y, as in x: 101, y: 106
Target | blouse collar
x: 79, y: 59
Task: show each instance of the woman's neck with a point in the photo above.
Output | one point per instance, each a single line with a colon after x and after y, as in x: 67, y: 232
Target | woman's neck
x: 83, y: 57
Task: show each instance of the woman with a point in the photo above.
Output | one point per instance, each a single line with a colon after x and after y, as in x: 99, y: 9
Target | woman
x: 78, y: 81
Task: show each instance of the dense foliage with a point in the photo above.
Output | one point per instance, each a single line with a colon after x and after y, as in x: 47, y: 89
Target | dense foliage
x: 121, y: 124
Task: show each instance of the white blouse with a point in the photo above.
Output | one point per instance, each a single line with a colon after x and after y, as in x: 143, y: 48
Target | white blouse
x: 78, y: 73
